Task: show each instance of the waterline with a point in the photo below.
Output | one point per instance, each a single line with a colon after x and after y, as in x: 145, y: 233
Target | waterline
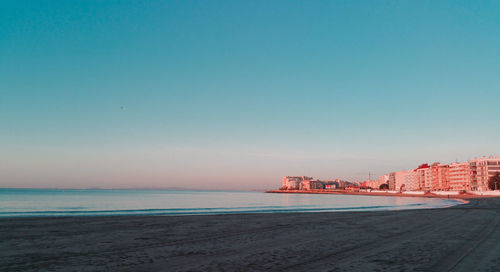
x: 53, y: 202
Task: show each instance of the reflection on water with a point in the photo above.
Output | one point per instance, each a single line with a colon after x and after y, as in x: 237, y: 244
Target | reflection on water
x: 49, y: 202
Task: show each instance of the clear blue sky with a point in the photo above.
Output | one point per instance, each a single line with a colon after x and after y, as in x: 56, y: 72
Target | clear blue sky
x: 237, y: 94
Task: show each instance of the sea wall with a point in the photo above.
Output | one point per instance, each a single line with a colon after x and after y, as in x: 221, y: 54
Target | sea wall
x: 383, y: 191
x: 414, y: 192
x: 445, y: 192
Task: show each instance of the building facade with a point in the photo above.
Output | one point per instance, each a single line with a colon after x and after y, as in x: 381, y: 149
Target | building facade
x: 481, y: 170
x: 293, y: 182
x: 311, y: 184
x: 374, y: 184
x: 459, y: 176
x: 392, y: 181
x: 400, y: 180
x: 419, y: 177
x: 439, y: 176
x: 411, y: 183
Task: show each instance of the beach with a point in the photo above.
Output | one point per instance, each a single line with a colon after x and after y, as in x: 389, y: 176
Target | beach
x: 460, y: 238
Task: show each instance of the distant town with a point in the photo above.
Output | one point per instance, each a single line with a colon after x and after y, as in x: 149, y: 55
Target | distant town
x: 476, y: 175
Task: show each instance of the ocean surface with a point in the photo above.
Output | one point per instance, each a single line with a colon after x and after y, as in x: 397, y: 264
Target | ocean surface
x: 58, y: 202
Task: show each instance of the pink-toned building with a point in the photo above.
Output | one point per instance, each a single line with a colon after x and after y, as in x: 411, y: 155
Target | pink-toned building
x: 365, y: 184
x: 374, y: 184
x: 419, y: 179
x: 439, y: 176
x: 310, y: 184
x: 400, y: 180
x: 397, y: 181
x: 383, y: 179
x: 427, y: 179
x: 481, y: 170
x: 411, y: 182
x: 392, y: 181
x: 459, y: 176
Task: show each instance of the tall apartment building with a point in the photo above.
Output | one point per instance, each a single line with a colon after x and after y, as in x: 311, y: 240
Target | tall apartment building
x: 419, y: 178
x: 411, y: 182
x: 396, y: 180
x: 392, y: 181
x: 293, y: 183
x: 399, y: 180
x: 427, y: 179
x: 459, y: 176
x: 481, y: 170
x: 439, y: 176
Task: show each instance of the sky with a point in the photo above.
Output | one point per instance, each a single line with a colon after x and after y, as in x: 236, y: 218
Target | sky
x: 237, y: 94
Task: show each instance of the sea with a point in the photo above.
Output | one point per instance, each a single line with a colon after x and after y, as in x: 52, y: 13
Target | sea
x: 98, y: 202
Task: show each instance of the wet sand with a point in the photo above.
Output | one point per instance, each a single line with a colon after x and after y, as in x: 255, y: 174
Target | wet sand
x: 460, y: 238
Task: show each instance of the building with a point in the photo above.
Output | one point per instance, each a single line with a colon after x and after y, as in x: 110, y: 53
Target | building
x: 439, y: 176
x: 374, y: 184
x: 459, y: 176
x: 344, y: 184
x: 392, y: 181
x: 311, y: 184
x: 369, y: 184
x: 419, y: 177
x: 383, y: 179
x: 427, y: 179
x: 411, y: 183
x: 331, y: 186
x: 293, y: 182
x: 400, y: 180
x: 481, y: 170
x: 423, y: 177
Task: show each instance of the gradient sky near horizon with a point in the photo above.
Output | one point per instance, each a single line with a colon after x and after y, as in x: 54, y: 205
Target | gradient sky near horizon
x: 237, y: 94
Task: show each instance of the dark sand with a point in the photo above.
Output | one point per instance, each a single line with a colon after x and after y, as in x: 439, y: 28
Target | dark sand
x: 461, y: 238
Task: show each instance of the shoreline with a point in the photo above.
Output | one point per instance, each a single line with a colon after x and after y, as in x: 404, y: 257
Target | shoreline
x: 349, y: 241
x: 249, y: 210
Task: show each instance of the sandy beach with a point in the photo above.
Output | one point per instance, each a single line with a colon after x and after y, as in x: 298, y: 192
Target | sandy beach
x: 461, y: 238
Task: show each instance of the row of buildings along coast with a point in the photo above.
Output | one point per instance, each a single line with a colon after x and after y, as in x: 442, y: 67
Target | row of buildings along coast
x: 473, y: 175
x: 458, y: 176
x: 309, y: 183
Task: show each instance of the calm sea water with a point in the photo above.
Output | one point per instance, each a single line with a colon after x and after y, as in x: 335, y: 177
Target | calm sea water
x: 54, y: 202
